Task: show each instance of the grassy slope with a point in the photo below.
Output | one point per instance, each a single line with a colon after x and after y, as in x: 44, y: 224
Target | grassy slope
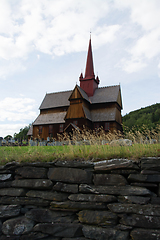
x: 70, y: 152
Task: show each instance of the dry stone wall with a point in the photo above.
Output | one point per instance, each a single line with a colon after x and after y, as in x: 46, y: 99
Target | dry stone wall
x: 115, y: 199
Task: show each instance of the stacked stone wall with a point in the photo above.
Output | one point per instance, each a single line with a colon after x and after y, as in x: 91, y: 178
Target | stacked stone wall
x: 115, y: 199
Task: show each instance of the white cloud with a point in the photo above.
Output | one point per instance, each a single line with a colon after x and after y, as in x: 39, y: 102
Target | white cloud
x: 146, y: 44
x: 52, y: 27
x: 10, y: 129
x: 17, y: 109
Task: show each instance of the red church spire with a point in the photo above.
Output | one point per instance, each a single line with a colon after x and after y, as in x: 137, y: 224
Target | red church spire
x: 89, y: 83
x: 89, y: 65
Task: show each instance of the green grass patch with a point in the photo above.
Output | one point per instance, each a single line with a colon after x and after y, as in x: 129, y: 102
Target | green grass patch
x: 70, y: 152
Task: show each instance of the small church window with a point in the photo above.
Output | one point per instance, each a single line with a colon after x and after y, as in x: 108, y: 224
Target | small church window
x: 50, y: 129
x: 40, y: 129
x: 61, y: 126
x: 106, y: 127
x: 75, y: 123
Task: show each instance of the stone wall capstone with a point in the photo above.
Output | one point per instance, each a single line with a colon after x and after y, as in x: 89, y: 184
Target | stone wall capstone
x: 115, y: 199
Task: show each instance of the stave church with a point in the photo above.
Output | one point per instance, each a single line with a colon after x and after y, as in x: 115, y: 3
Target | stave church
x: 86, y: 106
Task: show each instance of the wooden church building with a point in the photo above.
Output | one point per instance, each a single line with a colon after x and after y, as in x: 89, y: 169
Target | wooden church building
x: 86, y: 105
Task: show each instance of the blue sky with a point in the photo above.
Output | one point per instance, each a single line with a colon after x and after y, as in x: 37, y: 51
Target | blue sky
x: 43, y: 48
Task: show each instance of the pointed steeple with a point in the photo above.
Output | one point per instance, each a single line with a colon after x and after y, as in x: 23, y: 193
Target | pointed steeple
x: 89, y: 73
x: 89, y: 83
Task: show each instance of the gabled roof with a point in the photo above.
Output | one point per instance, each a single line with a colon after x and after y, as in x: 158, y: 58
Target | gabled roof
x: 50, y: 118
x: 101, y: 95
x: 56, y: 99
x: 106, y: 94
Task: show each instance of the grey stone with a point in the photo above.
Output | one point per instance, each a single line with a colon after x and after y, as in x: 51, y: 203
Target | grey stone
x: 101, y: 218
x: 92, y: 198
x: 60, y: 229
x: 109, y: 179
x: 150, y: 163
x: 24, y: 201
x: 141, y: 221
x: 32, y: 172
x: 124, y: 171
x: 48, y: 216
x: 155, y: 200
x: 115, y: 190
x: 134, y: 199
x: 149, y: 209
x: 33, y: 183
x: 4, y: 177
x: 7, y: 211
x: 33, y: 236
x: 6, y: 184
x: 54, y: 196
x: 64, y: 187
x: 77, y: 205
x: 71, y: 175
x: 75, y: 164
x: 121, y: 142
x: 99, y: 233
x: 144, y: 178
x: 3, y: 237
x: 149, y: 172
x: 17, y: 226
x: 12, y: 192
x: 147, y: 234
x: 115, y: 164
x: 147, y: 185
x: 78, y: 238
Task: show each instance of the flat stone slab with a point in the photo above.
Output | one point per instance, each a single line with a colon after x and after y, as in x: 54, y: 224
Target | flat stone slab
x: 35, y: 235
x: 141, y: 221
x: 32, y: 172
x: 144, y: 178
x: 115, y: 190
x: 149, y: 210
x: 147, y: 234
x: 92, y: 198
x: 104, y: 233
x: 7, y: 211
x: 33, y: 183
x: 48, y: 216
x: 24, y: 201
x: 70, y: 175
x: 101, y: 218
x: 4, y: 177
x: 150, y: 163
x: 134, y: 199
x: 69, y: 230
x: 78, y: 205
x: 75, y: 164
x: 53, y: 196
x: 109, y: 179
x: 17, y: 226
x: 64, y: 187
x: 12, y: 192
x: 115, y: 164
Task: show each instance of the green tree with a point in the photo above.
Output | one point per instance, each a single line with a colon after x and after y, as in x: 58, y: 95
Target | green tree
x: 22, y: 135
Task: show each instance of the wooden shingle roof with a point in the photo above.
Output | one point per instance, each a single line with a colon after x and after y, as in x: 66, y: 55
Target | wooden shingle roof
x: 50, y: 118
x: 57, y: 99
x: 101, y: 95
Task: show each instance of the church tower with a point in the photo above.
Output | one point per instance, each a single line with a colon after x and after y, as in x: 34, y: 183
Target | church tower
x: 89, y: 83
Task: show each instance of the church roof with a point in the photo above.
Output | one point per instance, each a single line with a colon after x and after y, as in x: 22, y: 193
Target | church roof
x: 61, y: 99
x: 89, y: 73
x: 50, y: 118
x: 56, y: 99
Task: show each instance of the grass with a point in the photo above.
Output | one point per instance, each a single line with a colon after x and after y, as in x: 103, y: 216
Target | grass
x: 94, y: 151
x: 70, y: 152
